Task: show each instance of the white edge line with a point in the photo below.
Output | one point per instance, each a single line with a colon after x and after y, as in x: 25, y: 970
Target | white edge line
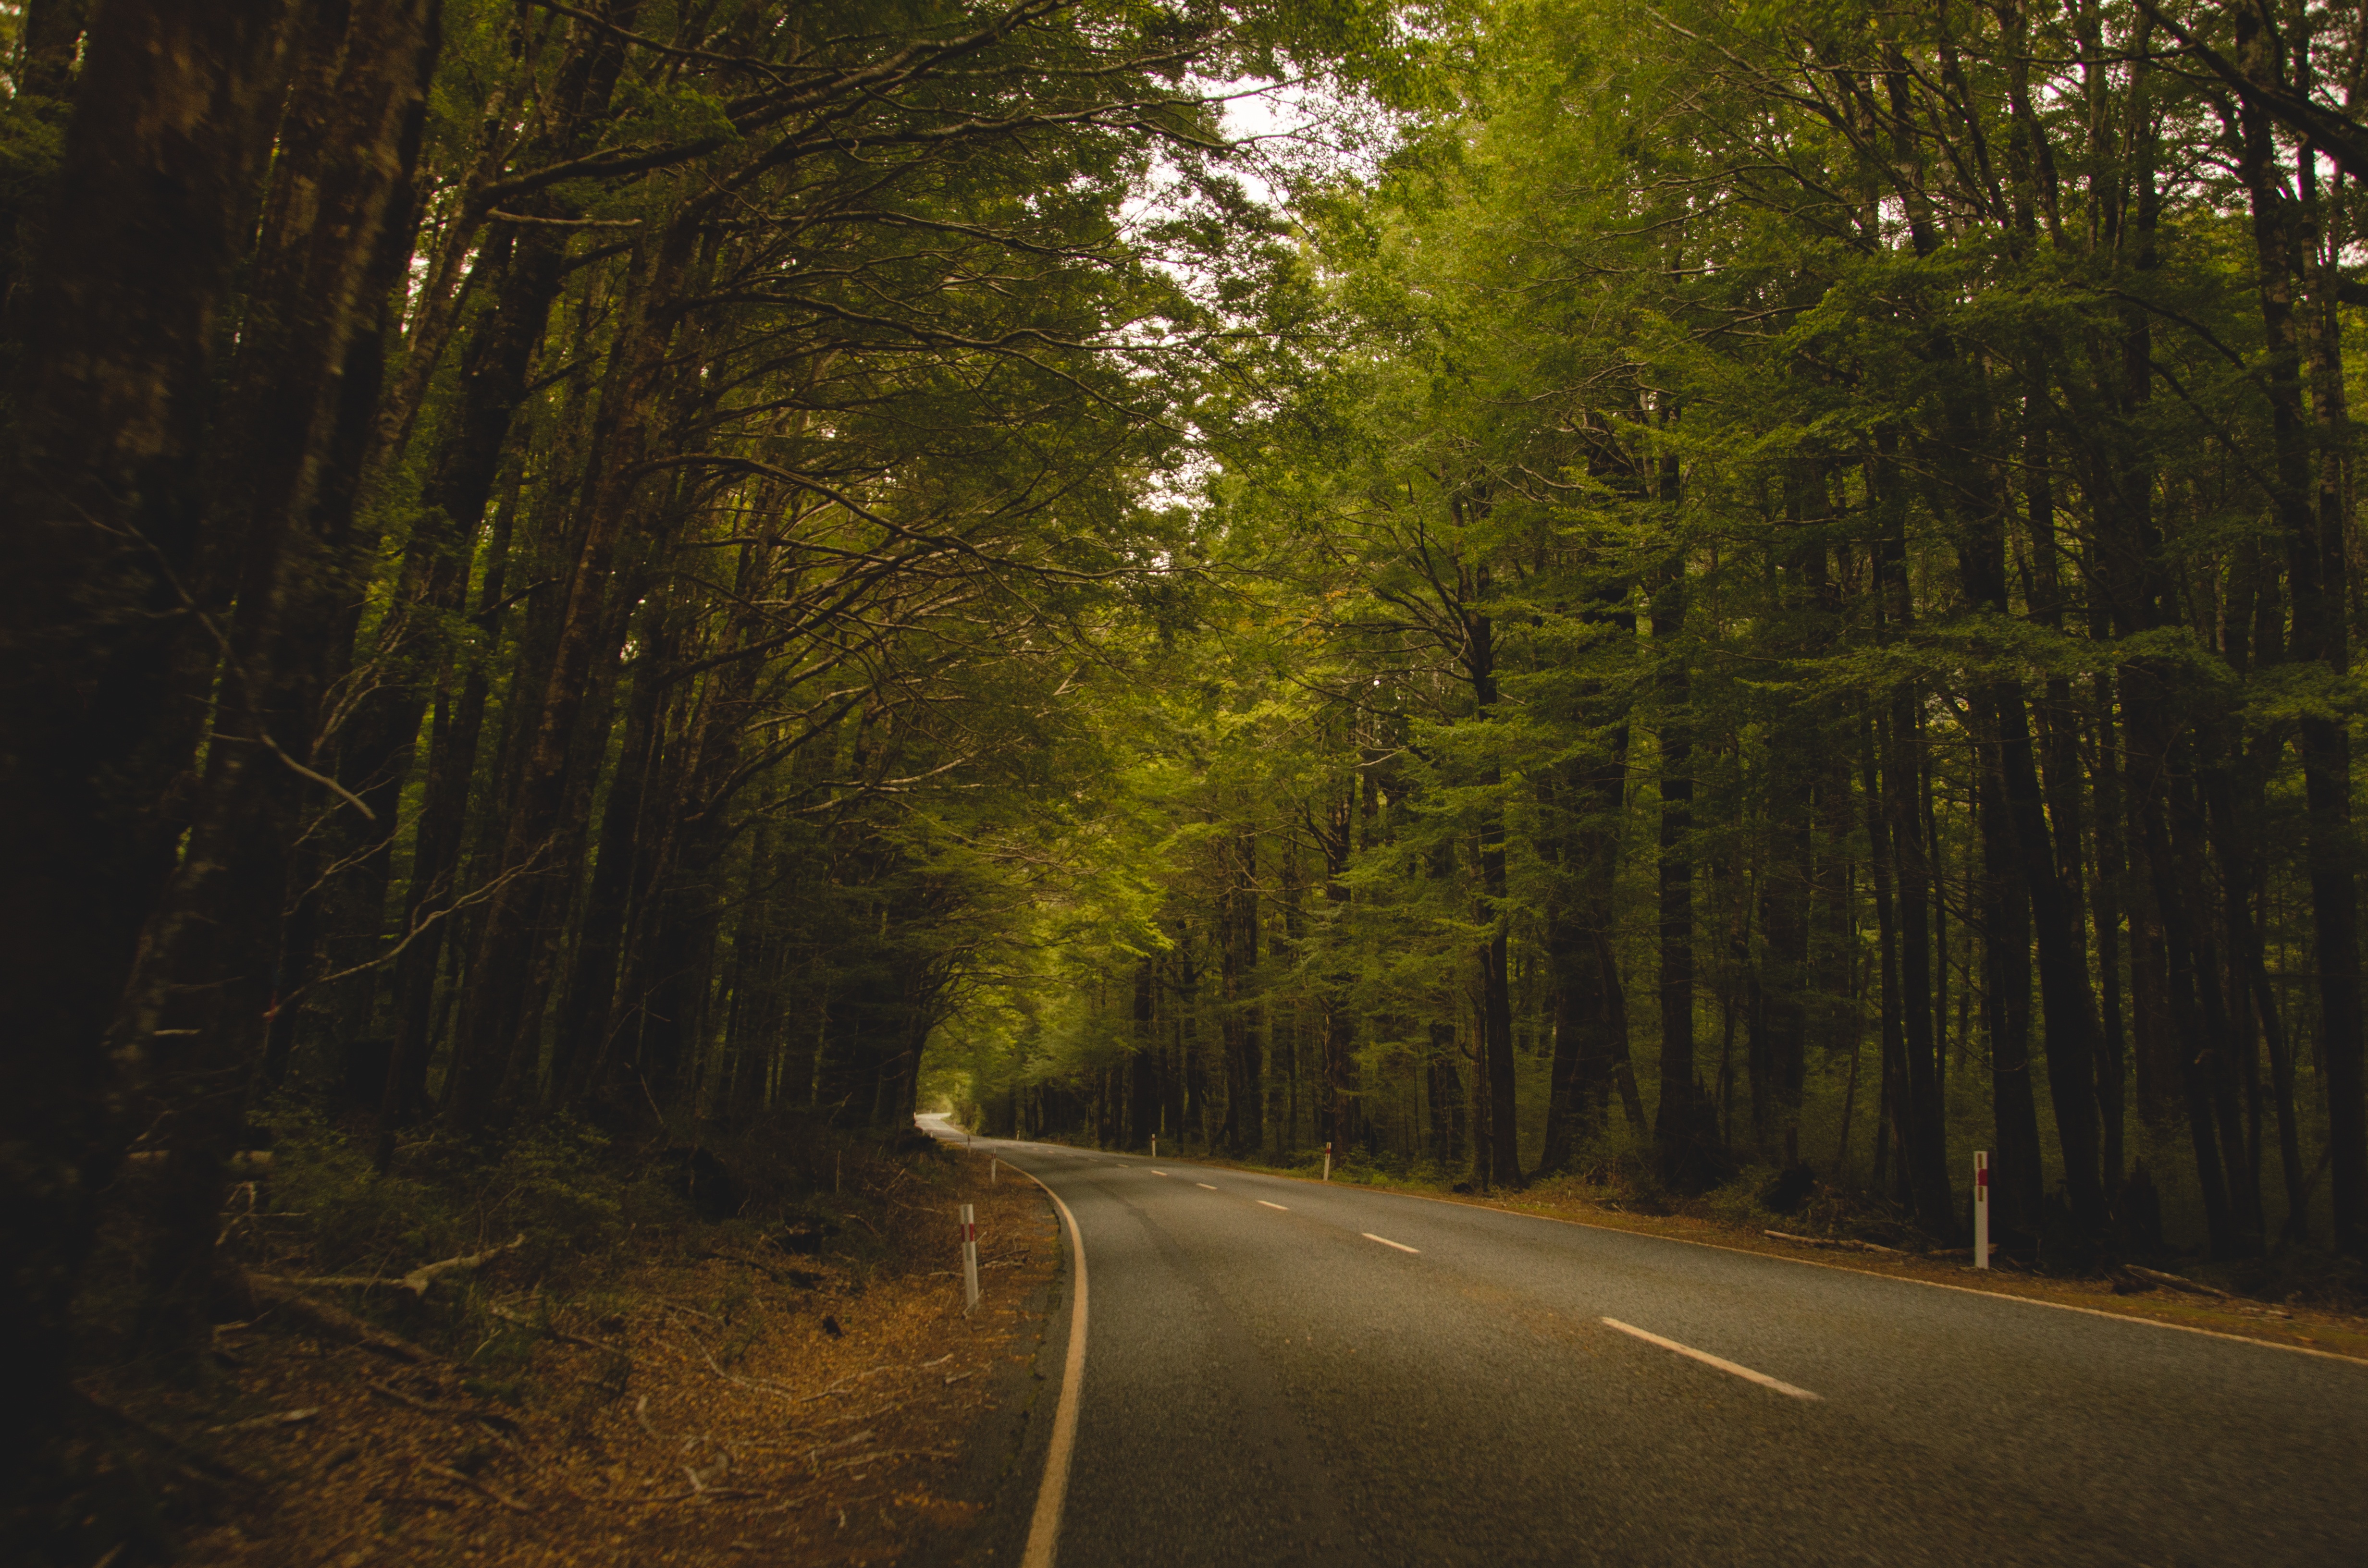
x: 1387, y: 1243
x: 1044, y: 1524
x: 1721, y: 1362
x: 1264, y: 1204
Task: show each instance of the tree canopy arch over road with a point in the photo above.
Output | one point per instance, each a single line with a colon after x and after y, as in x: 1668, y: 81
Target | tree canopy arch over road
x: 1712, y: 588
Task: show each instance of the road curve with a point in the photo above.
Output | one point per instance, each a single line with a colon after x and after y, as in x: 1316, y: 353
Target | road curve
x: 1282, y: 1372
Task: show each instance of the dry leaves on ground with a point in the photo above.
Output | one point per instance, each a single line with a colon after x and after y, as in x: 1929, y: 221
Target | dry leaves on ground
x: 718, y: 1404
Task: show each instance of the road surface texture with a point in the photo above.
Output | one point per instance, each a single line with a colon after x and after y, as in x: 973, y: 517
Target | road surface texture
x: 1282, y: 1372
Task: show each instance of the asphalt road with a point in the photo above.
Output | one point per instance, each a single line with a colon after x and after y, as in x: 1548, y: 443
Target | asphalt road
x: 1267, y: 1380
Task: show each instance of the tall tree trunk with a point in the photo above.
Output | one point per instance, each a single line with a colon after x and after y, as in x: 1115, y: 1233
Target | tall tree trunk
x: 1890, y: 1134
x: 2018, y: 1186
x: 457, y: 727
x: 2105, y: 905
x: 2067, y: 1005
x: 322, y: 267
x: 502, y: 967
x: 1143, y: 1087
x: 2315, y: 516
x: 1925, y: 1145
x: 1336, y: 1119
x: 1911, y: 1078
x: 1677, y: 1120
x: 117, y: 327
x: 618, y: 881
x: 373, y: 752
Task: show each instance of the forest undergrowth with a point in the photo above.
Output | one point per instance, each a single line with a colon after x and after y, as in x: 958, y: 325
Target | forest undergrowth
x: 564, y: 1348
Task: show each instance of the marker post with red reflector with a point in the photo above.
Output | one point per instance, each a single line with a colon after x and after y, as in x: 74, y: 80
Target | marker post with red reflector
x: 970, y: 1258
x: 1981, y: 1209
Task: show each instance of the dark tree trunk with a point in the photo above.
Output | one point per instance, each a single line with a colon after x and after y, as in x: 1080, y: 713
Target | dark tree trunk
x: 504, y: 967
x: 2018, y: 1186
x: 2105, y: 904
x: 374, y: 751
x: 1241, y: 1132
x: 1889, y: 1099
x: 1193, y: 1088
x: 1924, y: 1129
x: 1447, y: 1098
x: 116, y: 327
x: 293, y: 412
x: 436, y: 861
x: 1145, y: 1089
x: 1677, y: 1123
x: 2314, y: 515
x: 618, y: 881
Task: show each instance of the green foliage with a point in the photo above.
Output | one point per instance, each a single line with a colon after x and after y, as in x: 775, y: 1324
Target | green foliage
x: 1641, y: 424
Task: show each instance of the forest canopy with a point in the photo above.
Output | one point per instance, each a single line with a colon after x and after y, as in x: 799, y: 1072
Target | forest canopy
x: 1724, y: 591
x: 1794, y: 611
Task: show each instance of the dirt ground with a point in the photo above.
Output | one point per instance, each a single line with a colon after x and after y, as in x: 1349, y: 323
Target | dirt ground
x: 714, y: 1403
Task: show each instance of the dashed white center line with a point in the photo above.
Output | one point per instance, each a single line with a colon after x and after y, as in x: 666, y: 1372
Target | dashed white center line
x: 1159, y: 1173
x: 1707, y: 1359
x: 1264, y: 1204
x: 1387, y: 1243
x: 1203, y: 1184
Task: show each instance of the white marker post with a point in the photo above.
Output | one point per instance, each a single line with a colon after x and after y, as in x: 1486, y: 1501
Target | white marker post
x: 1154, y: 1145
x: 1328, y: 1161
x: 969, y: 1259
x: 1981, y: 1209
x: 991, y: 1166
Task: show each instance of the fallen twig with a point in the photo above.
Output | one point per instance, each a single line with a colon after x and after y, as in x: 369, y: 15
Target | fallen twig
x: 1834, y: 1244
x: 688, y: 1496
x: 416, y: 1281
x: 188, y: 1457
x: 851, y: 1377
x: 333, y: 1322
x: 474, y: 1484
x: 2175, y: 1282
x: 900, y: 1454
x: 743, y: 1262
x: 544, y: 1326
x: 464, y: 1411
x: 678, y: 1307
x: 813, y: 1455
x: 758, y: 1383
x: 277, y: 1418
